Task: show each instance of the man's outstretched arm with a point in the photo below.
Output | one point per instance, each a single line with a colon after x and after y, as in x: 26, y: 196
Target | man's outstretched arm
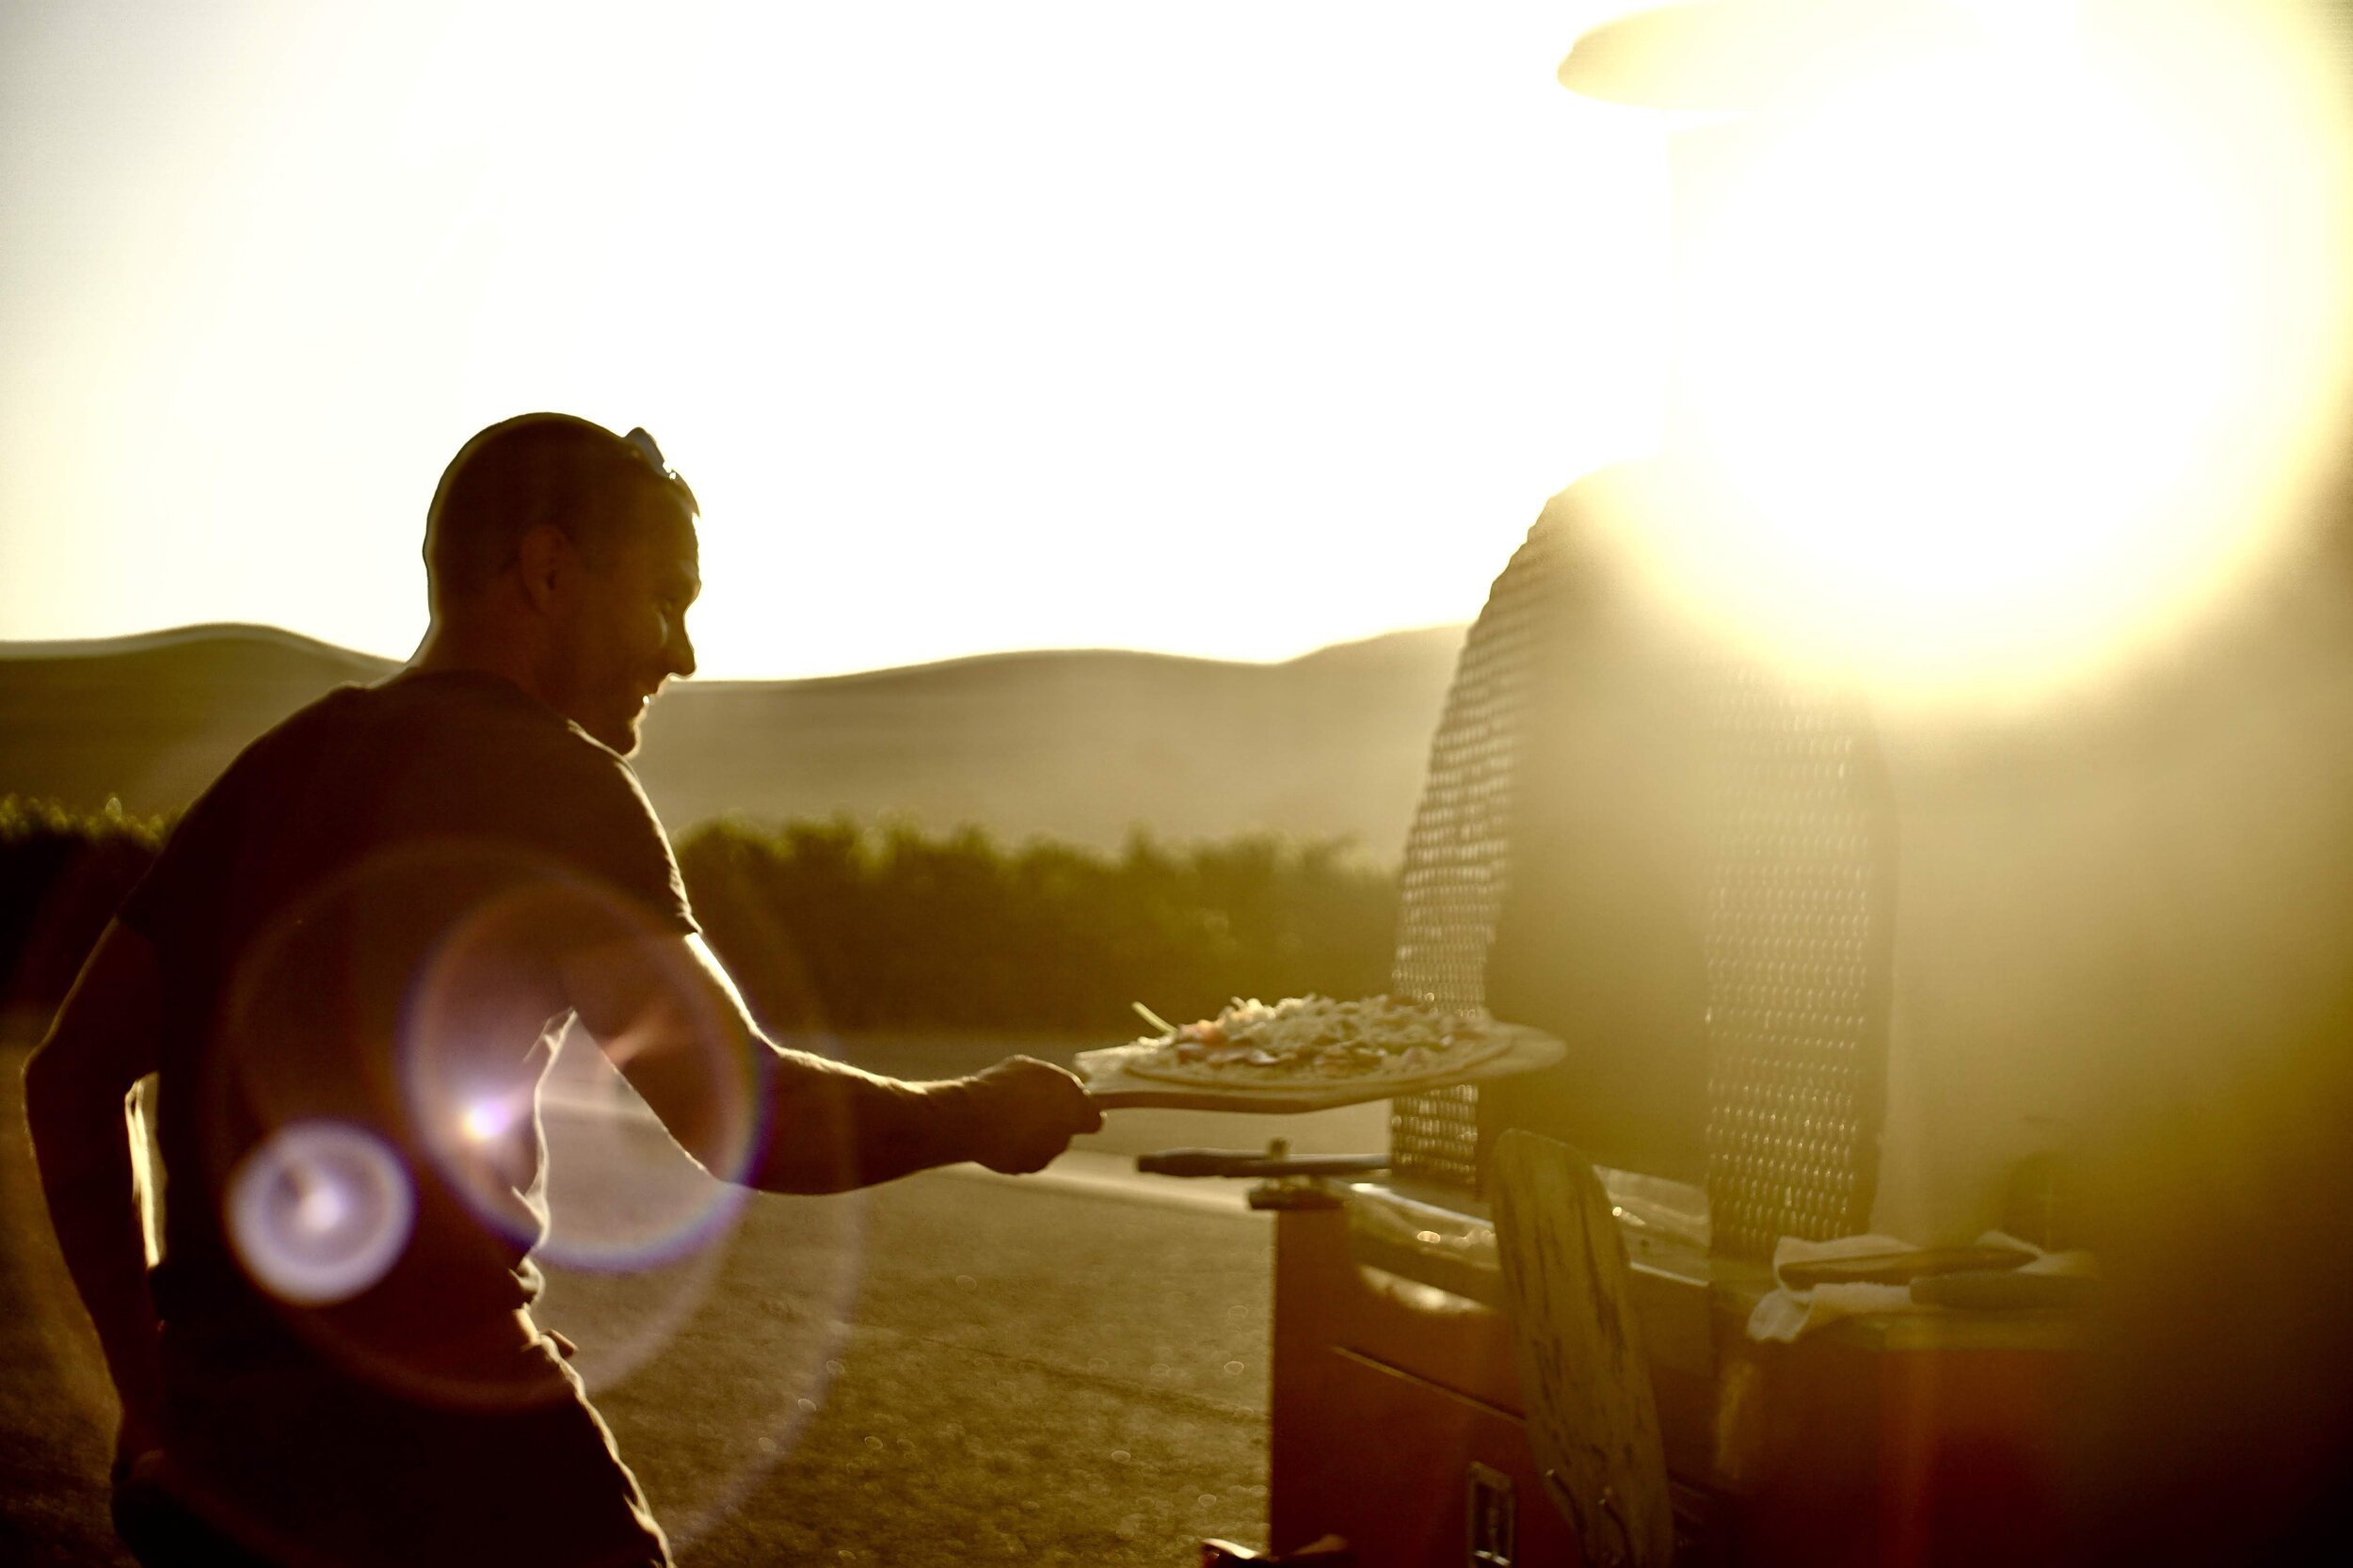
x: 784, y: 1121
x: 77, y: 1086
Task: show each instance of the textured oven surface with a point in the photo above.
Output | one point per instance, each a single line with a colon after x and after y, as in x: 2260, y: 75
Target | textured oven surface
x: 1457, y: 853
x: 1795, y: 879
x: 1795, y: 927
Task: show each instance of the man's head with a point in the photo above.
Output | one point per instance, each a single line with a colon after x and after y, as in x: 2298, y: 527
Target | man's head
x: 566, y: 556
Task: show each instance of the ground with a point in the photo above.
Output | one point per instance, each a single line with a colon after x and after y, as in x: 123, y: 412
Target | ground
x: 954, y: 1368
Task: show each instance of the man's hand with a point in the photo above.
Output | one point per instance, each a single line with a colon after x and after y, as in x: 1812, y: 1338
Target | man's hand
x: 1027, y: 1112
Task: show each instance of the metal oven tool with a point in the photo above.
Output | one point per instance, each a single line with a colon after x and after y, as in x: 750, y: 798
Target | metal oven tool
x: 1285, y: 1180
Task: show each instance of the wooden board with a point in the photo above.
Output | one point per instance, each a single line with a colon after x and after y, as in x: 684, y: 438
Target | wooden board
x: 1111, y: 1087
x: 1593, y: 1420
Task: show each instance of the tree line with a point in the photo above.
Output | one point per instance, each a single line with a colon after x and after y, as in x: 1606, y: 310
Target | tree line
x: 62, y: 872
x: 855, y: 927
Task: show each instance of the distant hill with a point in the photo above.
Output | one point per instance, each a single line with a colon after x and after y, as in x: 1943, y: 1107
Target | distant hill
x: 1078, y: 746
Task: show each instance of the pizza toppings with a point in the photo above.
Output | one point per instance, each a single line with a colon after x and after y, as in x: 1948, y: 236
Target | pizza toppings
x: 1314, y: 1038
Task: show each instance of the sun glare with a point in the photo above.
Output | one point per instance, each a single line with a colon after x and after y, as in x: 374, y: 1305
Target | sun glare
x: 2008, y: 361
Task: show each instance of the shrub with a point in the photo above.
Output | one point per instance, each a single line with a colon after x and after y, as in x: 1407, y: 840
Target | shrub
x: 829, y: 924
x: 62, y: 873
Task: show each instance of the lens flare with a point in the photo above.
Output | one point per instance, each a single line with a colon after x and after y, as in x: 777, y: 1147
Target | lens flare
x: 412, y: 1005
x: 482, y: 1122
x: 472, y: 1087
x: 622, y: 1195
x: 319, y: 1212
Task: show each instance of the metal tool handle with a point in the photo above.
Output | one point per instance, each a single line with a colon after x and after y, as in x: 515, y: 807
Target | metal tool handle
x: 1243, y: 1162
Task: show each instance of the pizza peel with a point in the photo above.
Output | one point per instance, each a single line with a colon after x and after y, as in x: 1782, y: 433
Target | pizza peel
x: 1112, y: 1087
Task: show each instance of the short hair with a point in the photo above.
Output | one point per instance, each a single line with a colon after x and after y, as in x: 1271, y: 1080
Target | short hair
x: 536, y: 468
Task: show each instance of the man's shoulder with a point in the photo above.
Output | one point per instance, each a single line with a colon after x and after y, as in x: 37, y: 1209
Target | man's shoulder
x: 479, y: 757
x: 440, y: 747
x: 467, y: 775
x: 467, y: 709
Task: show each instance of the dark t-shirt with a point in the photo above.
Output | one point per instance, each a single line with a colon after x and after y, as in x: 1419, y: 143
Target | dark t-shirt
x: 359, y: 928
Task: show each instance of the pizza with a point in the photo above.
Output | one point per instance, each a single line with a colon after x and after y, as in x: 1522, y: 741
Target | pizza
x: 1307, y: 1043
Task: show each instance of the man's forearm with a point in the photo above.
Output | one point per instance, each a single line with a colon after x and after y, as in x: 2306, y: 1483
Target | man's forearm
x: 668, y: 1017
x: 828, y: 1128
x: 85, y: 1158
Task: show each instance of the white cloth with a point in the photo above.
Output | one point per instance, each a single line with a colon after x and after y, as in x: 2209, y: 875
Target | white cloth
x: 1785, y: 1314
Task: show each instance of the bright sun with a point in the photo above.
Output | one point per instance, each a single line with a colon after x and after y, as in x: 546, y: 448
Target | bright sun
x: 2008, y: 358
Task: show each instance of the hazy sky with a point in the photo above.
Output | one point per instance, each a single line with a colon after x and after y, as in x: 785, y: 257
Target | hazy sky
x: 1229, y: 328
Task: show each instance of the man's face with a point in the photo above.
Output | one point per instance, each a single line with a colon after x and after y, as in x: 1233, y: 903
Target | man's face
x: 626, y: 635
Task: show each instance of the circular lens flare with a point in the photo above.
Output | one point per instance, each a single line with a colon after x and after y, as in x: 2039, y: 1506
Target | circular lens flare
x: 411, y: 1003
x: 488, y: 1119
x: 480, y: 1099
x: 621, y: 1195
x: 319, y: 1212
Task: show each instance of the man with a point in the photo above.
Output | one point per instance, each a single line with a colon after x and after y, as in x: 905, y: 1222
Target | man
x: 349, y: 969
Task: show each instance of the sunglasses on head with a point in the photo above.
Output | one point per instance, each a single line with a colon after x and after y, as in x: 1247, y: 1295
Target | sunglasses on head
x: 649, y: 452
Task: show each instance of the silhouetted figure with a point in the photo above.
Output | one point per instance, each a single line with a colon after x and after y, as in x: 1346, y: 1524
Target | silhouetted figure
x: 349, y: 968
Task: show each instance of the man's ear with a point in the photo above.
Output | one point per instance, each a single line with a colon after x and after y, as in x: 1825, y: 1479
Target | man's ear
x: 546, y: 560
